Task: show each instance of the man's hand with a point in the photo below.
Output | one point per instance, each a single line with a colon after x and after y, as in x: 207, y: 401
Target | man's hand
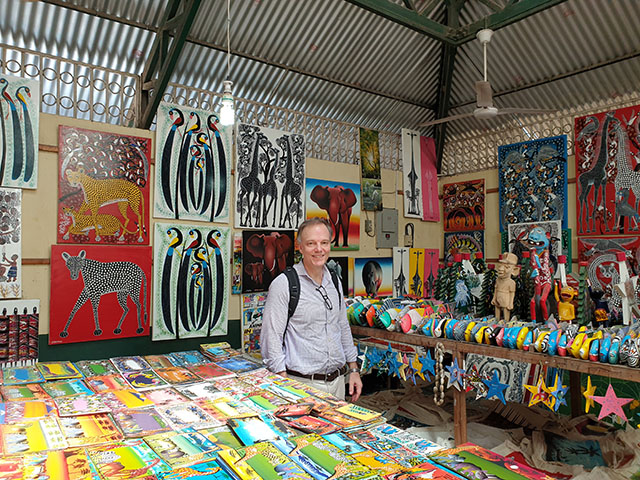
x: 355, y: 386
x: 283, y: 373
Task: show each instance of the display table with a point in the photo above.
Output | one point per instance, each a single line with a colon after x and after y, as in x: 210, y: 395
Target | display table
x: 459, y: 350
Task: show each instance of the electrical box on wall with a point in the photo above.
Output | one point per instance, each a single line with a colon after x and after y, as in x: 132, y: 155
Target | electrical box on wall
x: 387, y: 228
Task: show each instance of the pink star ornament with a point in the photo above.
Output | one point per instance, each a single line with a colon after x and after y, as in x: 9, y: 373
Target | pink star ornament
x: 611, y: 404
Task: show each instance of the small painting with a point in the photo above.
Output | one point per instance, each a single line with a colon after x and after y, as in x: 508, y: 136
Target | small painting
x: 373, y: 277
x: 400, y: 271
x: 264, y: 256
x: 252, y: 306
x: 99, y: 292
x: 370, y: 170
x: 11, y: 243
x: 463, y: 206
x: 340, y: 204
x: 463, y: 242
x: 19, y: 320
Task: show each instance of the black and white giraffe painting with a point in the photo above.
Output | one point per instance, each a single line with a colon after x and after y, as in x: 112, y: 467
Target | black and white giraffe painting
x: 270, y: 176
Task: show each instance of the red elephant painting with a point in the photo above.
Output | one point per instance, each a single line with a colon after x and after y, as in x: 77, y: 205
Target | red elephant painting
x: 265, y: 255
x: 338, y: 202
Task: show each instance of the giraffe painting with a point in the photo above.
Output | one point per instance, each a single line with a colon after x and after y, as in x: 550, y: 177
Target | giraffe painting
x: 270, y: 174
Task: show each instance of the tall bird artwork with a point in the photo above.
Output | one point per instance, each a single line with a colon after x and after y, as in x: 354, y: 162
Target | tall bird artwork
x: 165, y: 176
x: 3, y: 144
x: 30, y: 157
x: 212, y: 244
x: 175, y: 241
x: 212, y: 124
x: 18, y: 154
x: 183, y: 163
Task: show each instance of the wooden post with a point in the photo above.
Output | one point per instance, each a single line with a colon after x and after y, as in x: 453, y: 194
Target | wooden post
x: 576, y: 394
x: 460, y: 408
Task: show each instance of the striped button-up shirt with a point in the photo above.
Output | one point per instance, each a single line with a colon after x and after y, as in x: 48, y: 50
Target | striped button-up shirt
x: 317, y: 339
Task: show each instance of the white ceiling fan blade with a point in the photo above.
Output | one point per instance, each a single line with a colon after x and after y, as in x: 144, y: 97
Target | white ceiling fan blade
x: 484, y: 94
x: 505, y: 111
x: 446, y: 119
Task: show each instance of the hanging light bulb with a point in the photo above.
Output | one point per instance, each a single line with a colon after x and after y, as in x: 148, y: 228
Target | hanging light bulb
x: 227, y: 112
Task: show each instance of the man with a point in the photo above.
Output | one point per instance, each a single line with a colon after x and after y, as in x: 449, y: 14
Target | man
x: 317, y: 347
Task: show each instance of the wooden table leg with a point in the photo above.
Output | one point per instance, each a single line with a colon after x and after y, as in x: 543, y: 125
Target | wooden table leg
x: 460, y: 409
x: 576, y: 393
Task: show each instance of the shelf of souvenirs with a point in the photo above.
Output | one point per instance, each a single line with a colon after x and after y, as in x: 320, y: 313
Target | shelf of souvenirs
x: 588, y: 367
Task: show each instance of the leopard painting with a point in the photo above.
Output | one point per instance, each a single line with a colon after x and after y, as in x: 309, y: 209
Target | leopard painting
x: 100, y: 192
x: 82, y: 224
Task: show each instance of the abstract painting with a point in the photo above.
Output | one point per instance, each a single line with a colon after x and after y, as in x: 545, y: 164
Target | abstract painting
x: 270, y: 173
x: 400, y: 271
x: 19, y: 321
x: 252, y: 306
x: 193, y: 158
x: 11, y: 243
x: 373, y: 277
x: 463, y: 206
x: 602, y: 268
x: 416, y: 272
x: 519, y: 235
x: 533, y: 181
x: 431, y: 264
x: 370, y: 170
x: 463, y: 242
x: 191, y: 281
x: 19, y: 127
x: 340, y: 204
x: 420, y: 176
x: 103, y: 187
x: 607, y: 151
x: 99, y: 292
x: 264, y: 256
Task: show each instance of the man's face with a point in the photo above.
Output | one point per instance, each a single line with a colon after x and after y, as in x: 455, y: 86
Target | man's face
x: 315, y: 245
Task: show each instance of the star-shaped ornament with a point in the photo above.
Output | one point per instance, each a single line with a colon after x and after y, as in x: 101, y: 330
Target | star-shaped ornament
x: 402, y: 366
x: 559, y: 393
x: 416, y: 364
x: 495, y: 388
x: 539, y: 392
x: 393, y: 365
x: 611, y: 404
x: 588, y: 394
x: 456, y: 375
x: 428, y: 365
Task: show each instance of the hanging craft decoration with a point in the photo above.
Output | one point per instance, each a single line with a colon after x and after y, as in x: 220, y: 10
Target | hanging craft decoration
x: 588, y: 395
x: 420, y: 176
x: 264, y: 256
x: 463, y: 206
x: 400, y: 271
x: 339, y: 203
x: 370, y: 170
x: 270, y: 173
x: 373, y: 277
x: 463, y: 242
x: 11, y: 241
x: 193, y: 158
x: 533, y: 181
x: 191, y: 281
x: 558, y: 394
x: 607, y: 151
x: 515, y: 374
x: 103, y: 187
x: 252, y: 307
x: 19, y: 322
x: 495, y: 388
x: 611, y: 404
x: 92, y: 288
x: 19, y: 127
x: 456, y: 375
x: 539, y: 392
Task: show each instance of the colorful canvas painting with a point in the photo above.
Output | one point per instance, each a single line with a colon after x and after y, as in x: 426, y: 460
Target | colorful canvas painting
x: 411, y: 173
x: 373, y: 277
x: 370, y: 170
x: 252, y: 306
x: 193, y: 163
x: 463, y: 242
x: 99, y: 292
x: 400, y: 272
x: 341, y: 266
x: 533, y: 181
x: 270, y: 174
x: 463, y: 206
x: 340, y: 204
x: 191, y: 281
x: 519, y: 236
x: 264, y: 256
x: 431, y: 263
x: 416, y: 272
x: 11, y: 241
x: 607, y: 152
x: 19, y: 320
x: 20, y: 132
x: 103, y: 187
x: 236, y: 266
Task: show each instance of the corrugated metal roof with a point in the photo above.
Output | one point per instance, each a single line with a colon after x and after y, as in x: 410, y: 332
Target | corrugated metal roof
x: 330, y: 58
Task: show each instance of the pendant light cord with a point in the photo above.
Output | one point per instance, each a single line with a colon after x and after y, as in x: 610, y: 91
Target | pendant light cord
x: 228, y: 38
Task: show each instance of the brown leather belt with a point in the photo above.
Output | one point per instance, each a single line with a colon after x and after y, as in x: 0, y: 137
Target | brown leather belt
x: 320, y: 376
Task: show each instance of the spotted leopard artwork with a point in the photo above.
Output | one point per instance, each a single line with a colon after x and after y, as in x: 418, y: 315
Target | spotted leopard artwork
x: 533, y: 181
x: 99, y: 292
x: 103, y: 187
x: 10, y: 243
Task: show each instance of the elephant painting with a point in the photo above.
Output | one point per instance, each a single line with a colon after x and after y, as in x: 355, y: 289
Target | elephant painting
x: 264, y: 257
x: 338, y: 202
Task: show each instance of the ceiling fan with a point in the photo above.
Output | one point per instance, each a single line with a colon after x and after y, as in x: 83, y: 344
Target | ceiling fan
x: 484, y: 95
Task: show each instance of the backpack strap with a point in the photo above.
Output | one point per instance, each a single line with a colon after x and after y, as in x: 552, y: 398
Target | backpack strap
x: 336, y: 282
x: 294, y: 294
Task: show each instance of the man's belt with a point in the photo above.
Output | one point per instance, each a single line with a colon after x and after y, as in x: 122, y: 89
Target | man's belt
x: 330, y: 377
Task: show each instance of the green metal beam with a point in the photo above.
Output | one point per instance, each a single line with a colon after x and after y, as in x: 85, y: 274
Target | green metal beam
x: 512, y: 13
x: 162, y: 59
x: 408, y: 18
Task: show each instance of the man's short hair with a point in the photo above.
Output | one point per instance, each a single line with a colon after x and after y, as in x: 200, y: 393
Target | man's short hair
x: 315, y: 221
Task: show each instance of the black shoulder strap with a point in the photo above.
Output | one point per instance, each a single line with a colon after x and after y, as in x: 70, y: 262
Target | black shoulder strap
x: 336, y: 283
x: 294, y: 291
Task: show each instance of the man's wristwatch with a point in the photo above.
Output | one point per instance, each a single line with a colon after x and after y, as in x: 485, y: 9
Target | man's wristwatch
x: 354, y: 370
